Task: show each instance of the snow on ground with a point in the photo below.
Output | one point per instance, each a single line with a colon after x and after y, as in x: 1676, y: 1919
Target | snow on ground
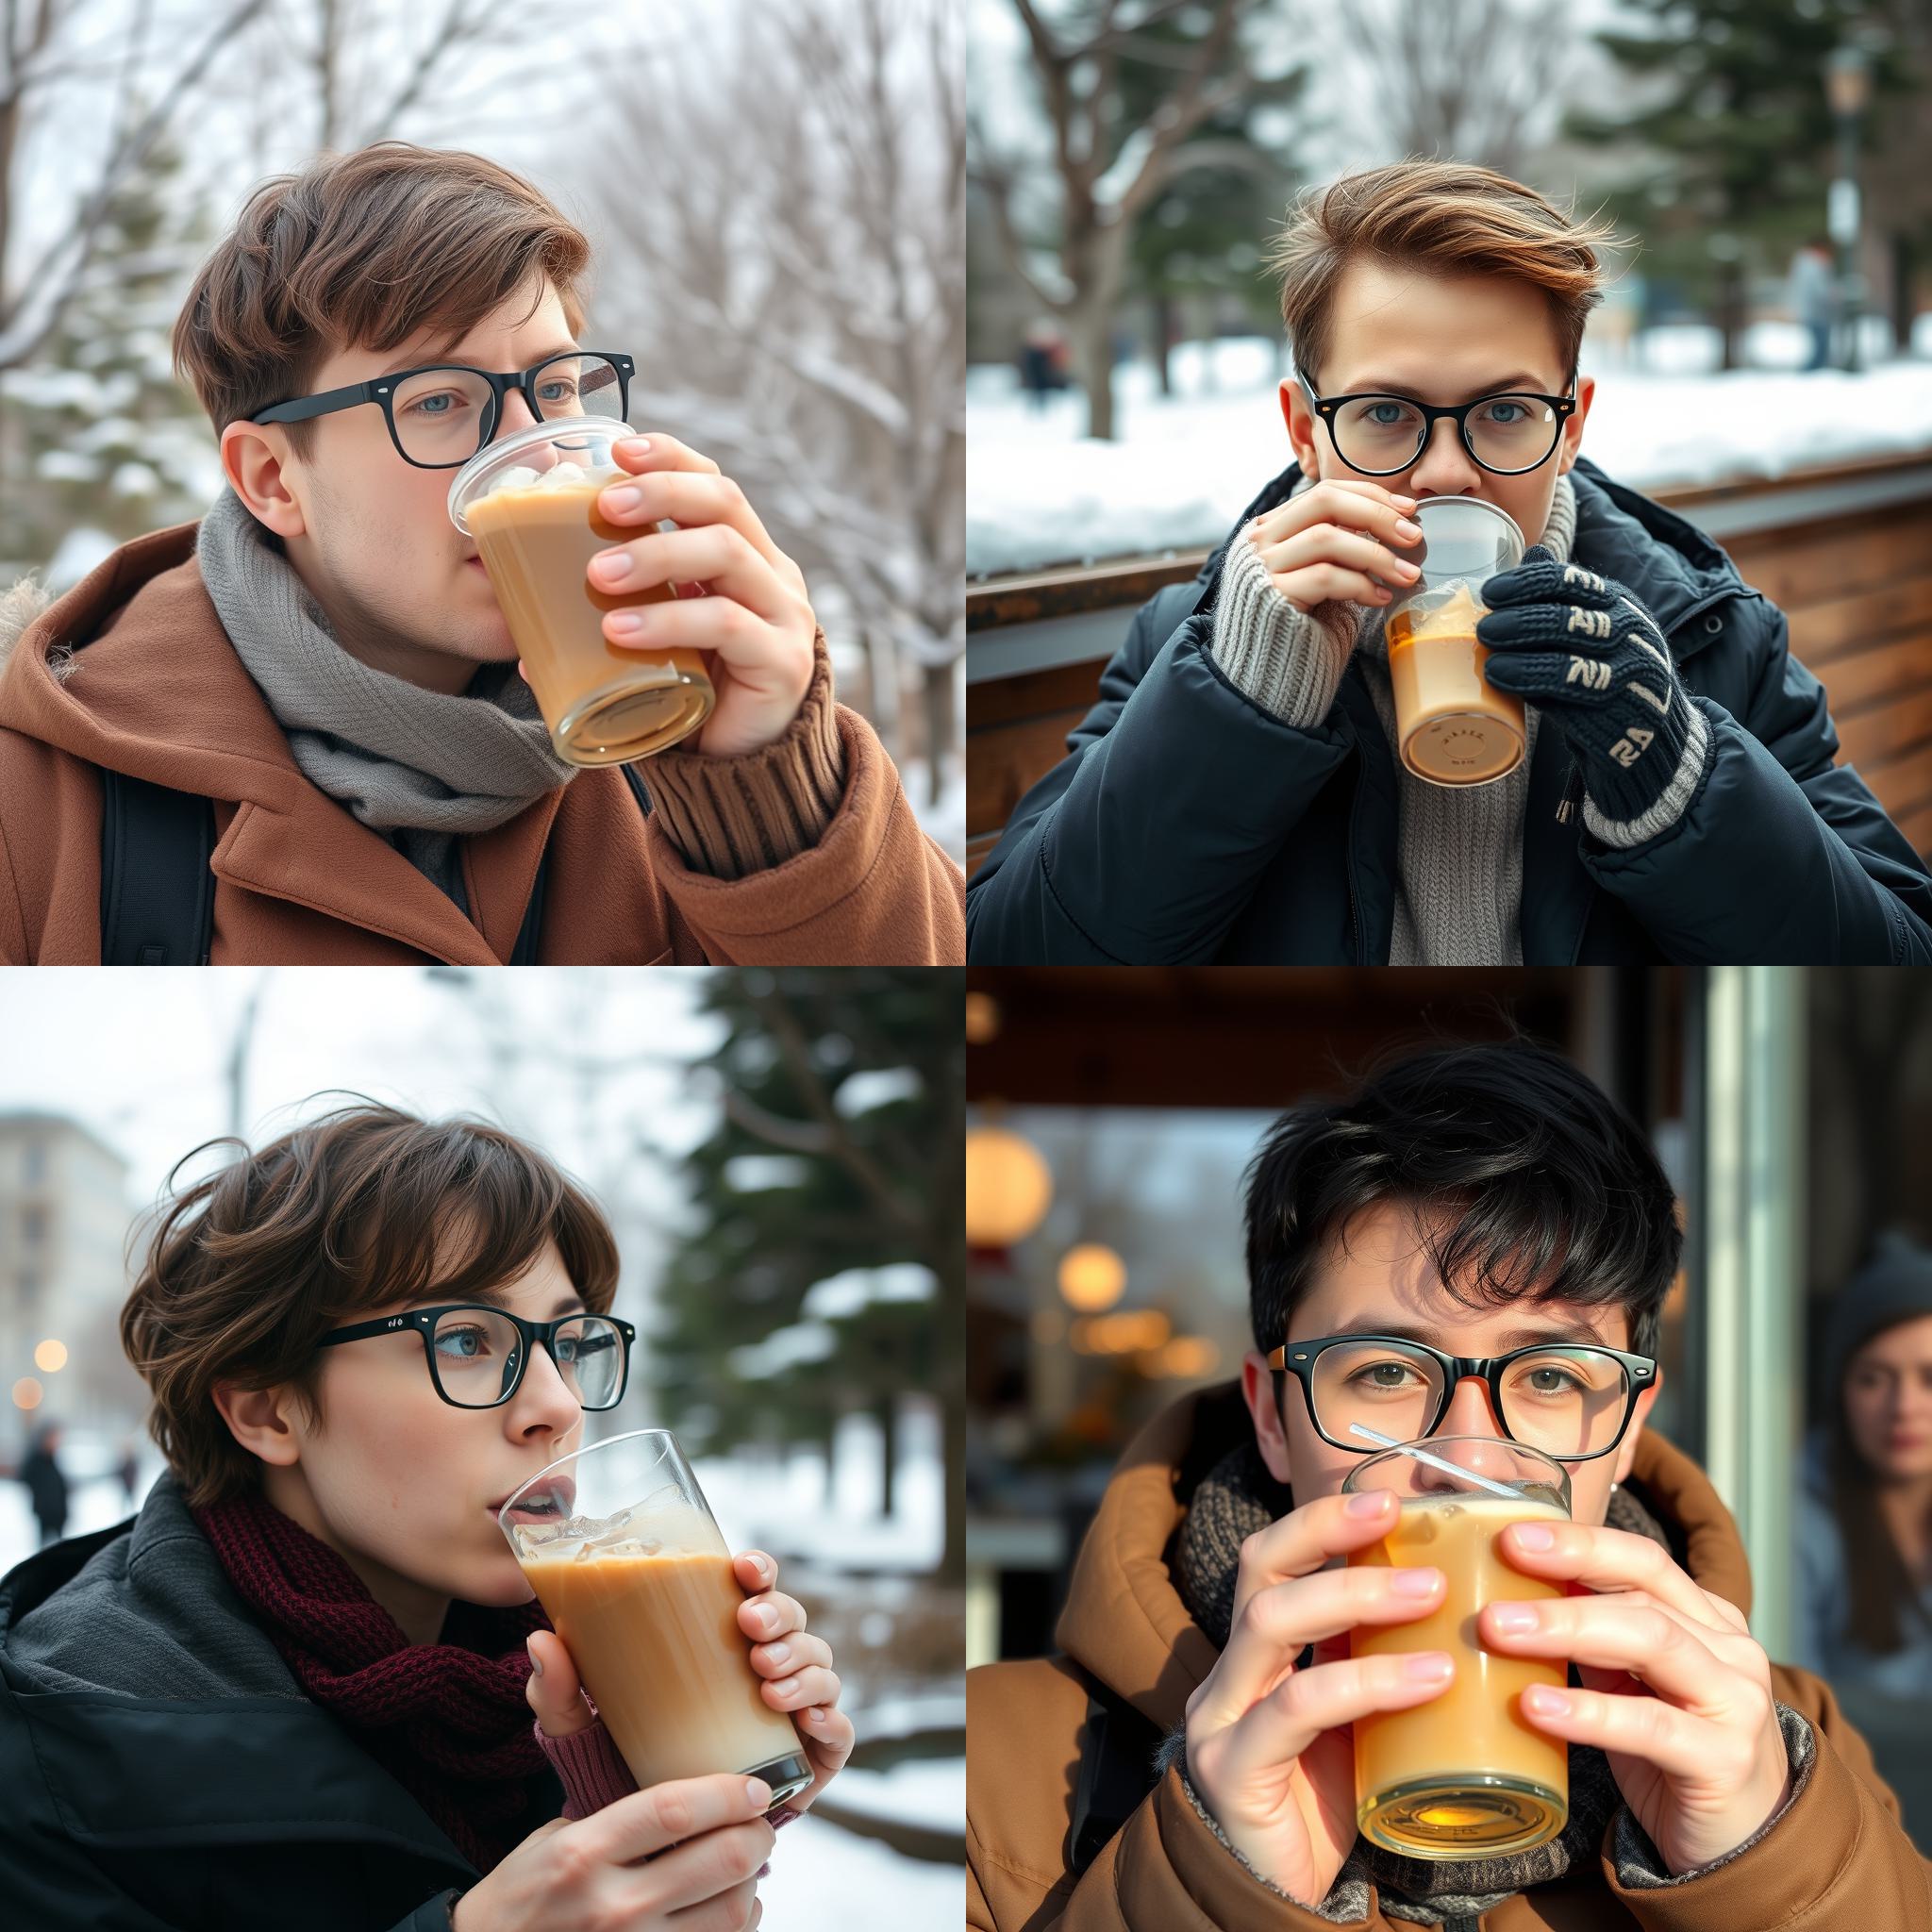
x: 823, y: 1879
x: 1039, y: 491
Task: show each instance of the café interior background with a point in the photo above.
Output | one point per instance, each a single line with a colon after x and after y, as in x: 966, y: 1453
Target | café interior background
x: 1792, y: 1109
x: 788, y: 1328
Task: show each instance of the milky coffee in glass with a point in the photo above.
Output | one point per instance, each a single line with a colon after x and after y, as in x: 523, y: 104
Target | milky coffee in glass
x: 530, y: 502
x: 1454, y: 728
x: 1464, y: 1776
x: 622, y: 1552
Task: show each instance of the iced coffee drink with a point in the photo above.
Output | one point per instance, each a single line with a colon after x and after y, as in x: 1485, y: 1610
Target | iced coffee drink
x: 622, y: 1553
x: 1453, y: 727
x: 530, y: 502
x: 1464, y: 1776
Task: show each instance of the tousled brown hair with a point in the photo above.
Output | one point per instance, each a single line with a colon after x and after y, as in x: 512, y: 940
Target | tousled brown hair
x: 351, y: 1213
x: 1443, y: 218
x: 365, y: 250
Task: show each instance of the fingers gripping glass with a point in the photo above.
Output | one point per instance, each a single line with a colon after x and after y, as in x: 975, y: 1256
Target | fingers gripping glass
x: 441, y: 415
x: 1571, y: 1402
x: 477, y: 1354
x: 1381, y: 435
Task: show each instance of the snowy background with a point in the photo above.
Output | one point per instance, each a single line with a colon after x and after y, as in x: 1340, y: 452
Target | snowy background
x: 773, y: 208
x: 1042, y: 492
x: 608, y: 1072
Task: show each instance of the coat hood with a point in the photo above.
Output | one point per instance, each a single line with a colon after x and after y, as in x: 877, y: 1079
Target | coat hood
x: 1124, y: 1621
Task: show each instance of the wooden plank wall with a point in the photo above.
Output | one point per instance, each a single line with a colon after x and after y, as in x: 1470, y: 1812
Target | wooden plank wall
x: 1857, y: 588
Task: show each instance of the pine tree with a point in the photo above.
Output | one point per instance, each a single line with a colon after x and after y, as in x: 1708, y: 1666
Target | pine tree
x: 102, y: 443
x: 825, y: 1272
x: 1738, y: 135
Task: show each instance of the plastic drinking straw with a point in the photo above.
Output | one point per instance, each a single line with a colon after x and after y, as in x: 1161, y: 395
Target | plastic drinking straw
x: 1436, y: 1462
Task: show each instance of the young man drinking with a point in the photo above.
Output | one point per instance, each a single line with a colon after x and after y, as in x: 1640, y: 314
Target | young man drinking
x: 315, y: 690
x: 1469, y: 1234
x: 1236, y: 797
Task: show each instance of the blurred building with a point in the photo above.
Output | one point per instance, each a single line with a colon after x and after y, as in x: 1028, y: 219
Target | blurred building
x: 63, y: 1221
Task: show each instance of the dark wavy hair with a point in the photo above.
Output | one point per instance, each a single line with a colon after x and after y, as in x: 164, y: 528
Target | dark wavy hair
x: 1524, y: 1180
x: 348, y: 1214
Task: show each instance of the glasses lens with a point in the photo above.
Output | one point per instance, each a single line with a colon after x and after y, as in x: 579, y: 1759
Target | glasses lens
x: 440, y: 413
x: 478, y: 1349
x: 1563, y: 1401
x: 578, y: 386
x: 1386, y: 433
x: 1512, y: 432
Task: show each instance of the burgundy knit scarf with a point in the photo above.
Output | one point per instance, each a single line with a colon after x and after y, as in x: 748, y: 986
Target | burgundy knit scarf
x: 448, y: 1721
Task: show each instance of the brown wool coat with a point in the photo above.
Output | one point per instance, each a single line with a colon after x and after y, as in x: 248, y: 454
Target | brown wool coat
x: 155, y: 690
x: 1837, y: 1861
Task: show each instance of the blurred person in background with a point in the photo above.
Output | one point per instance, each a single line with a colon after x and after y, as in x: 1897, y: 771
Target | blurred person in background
x: 1812, y: 292
x: 47, y: 1483
x: 128, y: 1471
x: 318, y: 1582
x: 383, y: 790
x: 1480, y: 1243
x: 1237, y: 797
x: 1865, y: 1509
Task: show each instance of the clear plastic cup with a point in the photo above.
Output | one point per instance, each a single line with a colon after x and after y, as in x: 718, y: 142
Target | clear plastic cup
x: 1464, y: 1776
x: 626, y: 1558
x: 529, y: 501
x: 1454, y: 728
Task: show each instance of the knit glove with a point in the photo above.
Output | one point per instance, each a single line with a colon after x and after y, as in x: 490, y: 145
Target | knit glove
x: 1582, y: 649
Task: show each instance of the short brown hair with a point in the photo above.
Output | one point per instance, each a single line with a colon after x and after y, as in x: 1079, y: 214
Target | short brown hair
x: 1445, y: 218
x: 364, y: 250
x: 364, y: 1207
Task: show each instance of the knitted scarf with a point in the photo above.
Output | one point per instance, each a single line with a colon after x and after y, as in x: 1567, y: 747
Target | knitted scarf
x: 1238, y: 1497
x: 448, y: 1721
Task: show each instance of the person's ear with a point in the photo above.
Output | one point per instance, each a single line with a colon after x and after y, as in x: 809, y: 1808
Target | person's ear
x: 257, y: 1419
x: 1573, y: 427
x: 255, y: 459
x: 1626, y: 1449
x: 1271, y: 1438
x: 1300, y: 420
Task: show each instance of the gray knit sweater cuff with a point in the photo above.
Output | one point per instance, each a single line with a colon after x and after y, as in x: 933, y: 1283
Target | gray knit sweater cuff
x: 1670, y: 806
x: 1285, y: 659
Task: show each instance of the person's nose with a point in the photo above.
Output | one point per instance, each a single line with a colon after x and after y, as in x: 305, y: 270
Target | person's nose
x: 1469, y: 1412
x: 544, y: 1395
x: 1445, y: 467
x: 515, y: 415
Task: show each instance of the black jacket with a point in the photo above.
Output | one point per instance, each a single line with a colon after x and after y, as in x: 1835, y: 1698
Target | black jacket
x: 162, y: 1771
x: 47, y: 1487
x: 1189, y: 825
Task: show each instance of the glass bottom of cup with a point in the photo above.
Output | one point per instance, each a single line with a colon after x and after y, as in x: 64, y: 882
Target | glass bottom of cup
x: 1462, y: 748
x: 619, y: 723
x: 787, y: 1776
x: 1477, y: 1814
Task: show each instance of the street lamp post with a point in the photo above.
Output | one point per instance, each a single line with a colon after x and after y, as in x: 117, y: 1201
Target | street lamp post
x: 1847, y: 86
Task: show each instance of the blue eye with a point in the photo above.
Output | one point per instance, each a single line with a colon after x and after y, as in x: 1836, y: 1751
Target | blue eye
x: 1383, y: 422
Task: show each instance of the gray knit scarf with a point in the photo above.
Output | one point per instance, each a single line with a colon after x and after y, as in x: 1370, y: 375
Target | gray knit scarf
x: 1238, y: 1497
x: 420, y: 767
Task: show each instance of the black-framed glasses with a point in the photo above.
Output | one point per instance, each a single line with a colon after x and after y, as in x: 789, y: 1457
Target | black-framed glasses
x: 477, y: 1354
x: 441, y: 415
x: 1572, y: 1401
x: 1507, y: 433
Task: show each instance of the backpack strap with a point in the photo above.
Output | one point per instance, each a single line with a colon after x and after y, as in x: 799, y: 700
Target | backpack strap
x: 1117, y: 1747
x: 158, y: 896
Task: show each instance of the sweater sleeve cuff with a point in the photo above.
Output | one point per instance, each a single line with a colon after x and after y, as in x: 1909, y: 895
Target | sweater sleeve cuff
x: 1639, y: 1864
x: 731, y: 817
x: 1285, y: 659
x: 592, y: 1772
x: 1671, y: 806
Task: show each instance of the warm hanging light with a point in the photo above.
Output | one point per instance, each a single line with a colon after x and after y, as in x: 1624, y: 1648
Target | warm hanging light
x: 1092, y: 1278
x: 1009, y: 1188
x: 982, y: 1019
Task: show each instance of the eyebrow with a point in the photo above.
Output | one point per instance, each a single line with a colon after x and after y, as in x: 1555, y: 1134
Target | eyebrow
x: 498, y: 1299
x: 1515, y: 1338
x: 416, y: 362
x: 1519, y: 380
